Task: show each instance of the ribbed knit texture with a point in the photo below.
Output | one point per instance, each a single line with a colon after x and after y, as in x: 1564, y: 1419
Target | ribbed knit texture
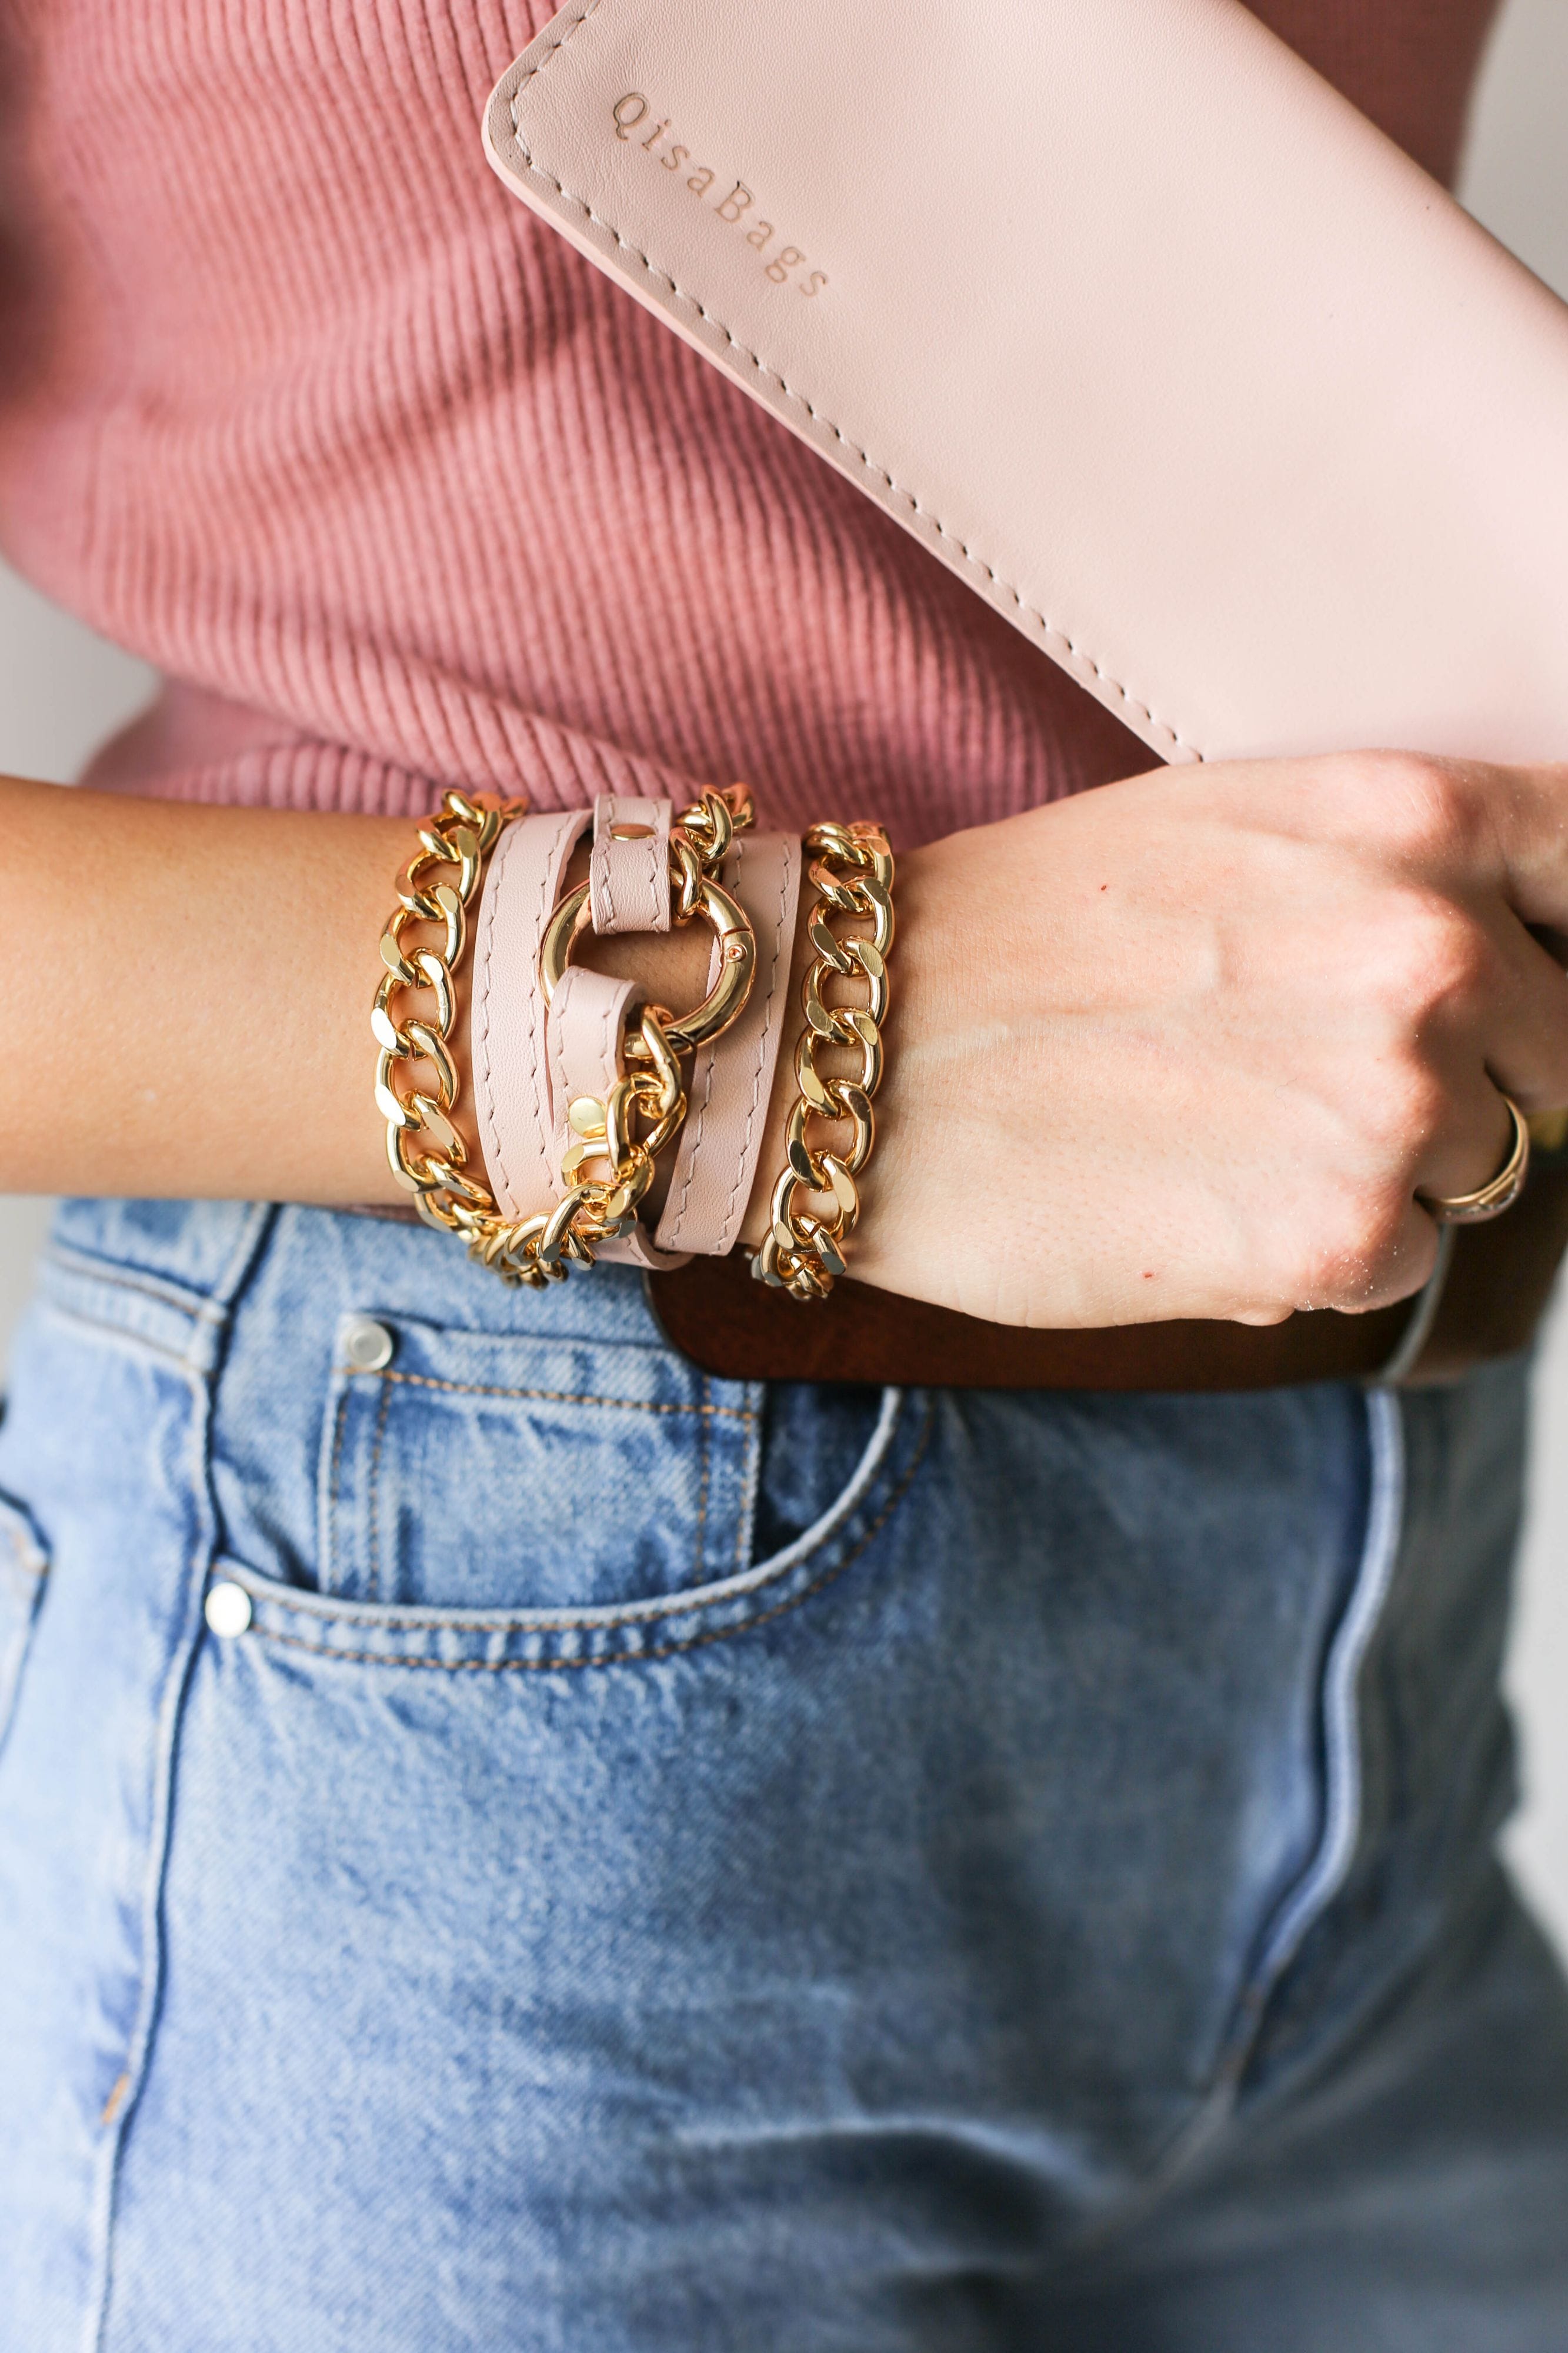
x: 296, y: 402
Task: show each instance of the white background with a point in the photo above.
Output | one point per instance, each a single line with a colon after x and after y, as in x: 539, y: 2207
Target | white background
x: 62, y: 691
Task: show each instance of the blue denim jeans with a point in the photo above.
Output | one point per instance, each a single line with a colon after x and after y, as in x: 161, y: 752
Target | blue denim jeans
x: 638, y: 1863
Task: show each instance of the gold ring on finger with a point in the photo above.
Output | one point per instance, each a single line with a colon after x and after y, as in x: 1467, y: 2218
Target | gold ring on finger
x: 1490, y: 1200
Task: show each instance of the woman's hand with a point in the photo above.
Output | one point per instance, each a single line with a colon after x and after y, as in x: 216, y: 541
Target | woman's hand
x: 1192, y: 1044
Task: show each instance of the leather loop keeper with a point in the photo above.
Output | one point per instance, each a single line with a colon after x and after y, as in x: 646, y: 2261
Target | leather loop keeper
x: 1499, y: 1282
x: 628, y: 870
x: 584, y: 1028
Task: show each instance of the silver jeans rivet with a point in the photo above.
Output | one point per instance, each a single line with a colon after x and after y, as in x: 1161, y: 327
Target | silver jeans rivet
x: 227, y: 1607
x: 367, y: 1346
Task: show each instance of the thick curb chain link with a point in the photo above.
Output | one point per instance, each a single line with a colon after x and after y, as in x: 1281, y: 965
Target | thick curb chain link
x: 851, y: 870
x: 425, y: 1151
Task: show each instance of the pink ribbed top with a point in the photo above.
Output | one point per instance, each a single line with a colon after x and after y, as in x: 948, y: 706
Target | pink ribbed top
x: 298, y: 403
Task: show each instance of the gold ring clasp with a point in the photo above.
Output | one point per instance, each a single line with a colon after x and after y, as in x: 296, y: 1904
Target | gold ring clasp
x: 725, y: 1001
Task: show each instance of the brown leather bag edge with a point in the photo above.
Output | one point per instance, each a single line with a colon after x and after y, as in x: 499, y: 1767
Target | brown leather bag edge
x: 1499, y: 1279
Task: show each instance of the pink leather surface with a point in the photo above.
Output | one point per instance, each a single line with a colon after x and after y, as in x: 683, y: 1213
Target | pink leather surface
x: 582, y: 1030
x: 531, y: 1061
x: 506, y: 1024
x: 1137, y: 324
x: 731, y: 1080
x: 628, y: 872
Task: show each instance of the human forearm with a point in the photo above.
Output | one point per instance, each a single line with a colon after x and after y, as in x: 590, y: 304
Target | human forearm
x: 193, y: 987
x: 190, y: 989
x: 189, y: 994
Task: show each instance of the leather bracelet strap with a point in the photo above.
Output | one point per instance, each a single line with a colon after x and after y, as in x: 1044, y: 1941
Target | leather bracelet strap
x: 529, y: 1063
x: 731, y: 1080
x: 628, y: 872
x: 583, y: 1029
x: 505, y: 1028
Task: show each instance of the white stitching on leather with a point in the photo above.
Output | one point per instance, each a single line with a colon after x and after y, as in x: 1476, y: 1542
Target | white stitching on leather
x: 602, y: 866
x: 784, y: 951
x: 606, y: 892
x: 479, y: 1033
x: 556, y: 46
x: 1048, y: 628
x: 678, y: 1216
x: 678, y: 1213
x: 536, y: 1045
x: 607, y: 1057
x: 649, y: 851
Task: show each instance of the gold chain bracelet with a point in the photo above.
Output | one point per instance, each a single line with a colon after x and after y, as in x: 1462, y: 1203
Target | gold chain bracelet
x: 425, y: 1150
x: 426, y: 1153
x: 852, y: 874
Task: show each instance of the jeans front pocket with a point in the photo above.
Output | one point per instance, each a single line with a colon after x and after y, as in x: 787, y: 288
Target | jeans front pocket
x: 475, y: 1469
x: 24, y: 1564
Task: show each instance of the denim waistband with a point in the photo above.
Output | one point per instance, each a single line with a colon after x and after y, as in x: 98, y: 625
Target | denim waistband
x: 169, y: 1272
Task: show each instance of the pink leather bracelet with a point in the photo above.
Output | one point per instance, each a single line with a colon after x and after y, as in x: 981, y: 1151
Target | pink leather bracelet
x: 506, y: 1027
x: 582, y: 1030
x: 530, y: 1063
x: 731, y: 1080
x: 520, y: 1137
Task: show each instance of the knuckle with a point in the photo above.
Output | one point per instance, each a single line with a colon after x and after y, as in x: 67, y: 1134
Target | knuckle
x: 1432, y: 955
x: 1353, y: 1244
x: 1407, y: 1107
x: 1419, y: 809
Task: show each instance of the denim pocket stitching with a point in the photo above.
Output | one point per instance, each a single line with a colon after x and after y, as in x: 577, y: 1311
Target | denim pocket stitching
x: 614, y: 1658
x: 705, y: 1458
x: 162, y: 1289
x: 745, y: 1523
x: 124, y: 1335
x: 331, y: 1550
x: 551, y: 1397
x: 30, y: 1562
x: 705, y: 1413
x: 372, y: 1500
x: 412, y: 1617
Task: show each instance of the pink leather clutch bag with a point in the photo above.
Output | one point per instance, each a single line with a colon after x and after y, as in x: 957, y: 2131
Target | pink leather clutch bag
x: 1136, y: 324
